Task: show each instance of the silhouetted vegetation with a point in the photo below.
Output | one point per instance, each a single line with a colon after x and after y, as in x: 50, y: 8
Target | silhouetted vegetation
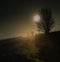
x: 38, y: 48
x: 46, y: 22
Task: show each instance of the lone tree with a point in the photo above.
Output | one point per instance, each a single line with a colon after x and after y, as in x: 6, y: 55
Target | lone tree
x: 46, y: 23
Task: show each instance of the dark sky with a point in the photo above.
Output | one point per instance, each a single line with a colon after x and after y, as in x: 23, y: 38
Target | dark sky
x: 16, y: 15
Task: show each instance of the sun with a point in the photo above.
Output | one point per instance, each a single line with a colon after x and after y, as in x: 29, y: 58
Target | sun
x: 36, y: 18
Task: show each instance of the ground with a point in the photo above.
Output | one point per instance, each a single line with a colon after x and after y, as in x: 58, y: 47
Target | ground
x: 39, y: 48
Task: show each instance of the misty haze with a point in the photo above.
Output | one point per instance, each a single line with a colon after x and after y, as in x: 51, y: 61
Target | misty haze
x: 30, y: 31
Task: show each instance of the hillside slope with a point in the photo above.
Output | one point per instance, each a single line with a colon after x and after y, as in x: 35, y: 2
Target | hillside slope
x: 49, y: 47
x: 40, y: 48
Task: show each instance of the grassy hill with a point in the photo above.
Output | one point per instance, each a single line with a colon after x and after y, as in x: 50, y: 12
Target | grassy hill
x: 39, y: 48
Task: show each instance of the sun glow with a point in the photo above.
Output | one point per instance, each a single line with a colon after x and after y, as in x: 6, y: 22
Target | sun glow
x: 36, y: 18
x: 30, y: 34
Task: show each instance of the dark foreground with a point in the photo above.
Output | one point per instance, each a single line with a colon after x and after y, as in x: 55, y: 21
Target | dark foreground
x: 40, y: 48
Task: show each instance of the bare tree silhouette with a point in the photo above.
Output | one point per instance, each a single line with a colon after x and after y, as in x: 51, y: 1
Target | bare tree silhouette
x: 46, y: 22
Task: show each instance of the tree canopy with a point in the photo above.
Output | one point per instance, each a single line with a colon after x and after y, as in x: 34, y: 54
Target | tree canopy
x: 46, y: 22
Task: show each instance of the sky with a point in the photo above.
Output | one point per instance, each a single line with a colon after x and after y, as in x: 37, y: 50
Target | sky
x: 16, y: 16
